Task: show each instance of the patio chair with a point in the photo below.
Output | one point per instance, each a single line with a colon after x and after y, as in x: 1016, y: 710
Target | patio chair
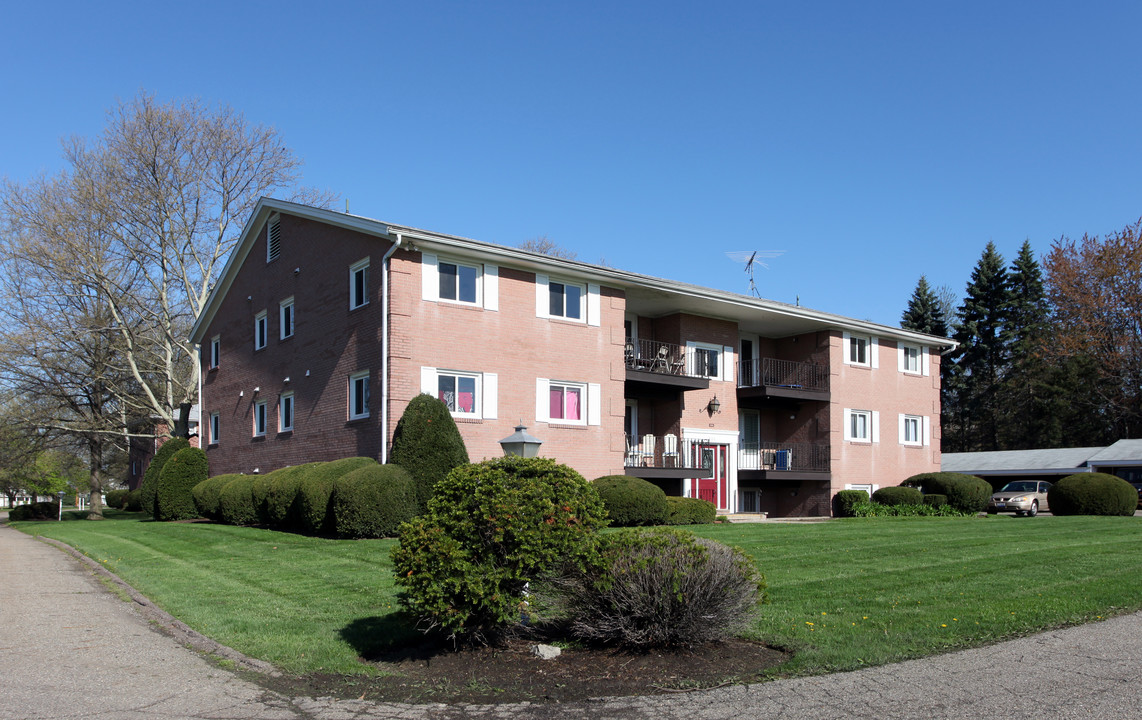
x: 661, y: 362
x: 670, y: 450
x: 646, y: 450
x: 628, y: 355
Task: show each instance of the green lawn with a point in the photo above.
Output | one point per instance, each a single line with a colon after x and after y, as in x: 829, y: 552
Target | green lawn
x: 845, y: 594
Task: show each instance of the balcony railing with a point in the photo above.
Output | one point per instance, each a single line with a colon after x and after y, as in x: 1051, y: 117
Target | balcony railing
x: 770, y: 372
x: 796, y: 457
x: 665, y: 451
x: 669, y: 359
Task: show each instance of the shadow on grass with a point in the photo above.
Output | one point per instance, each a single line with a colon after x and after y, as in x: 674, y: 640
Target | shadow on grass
x: 390, y: 638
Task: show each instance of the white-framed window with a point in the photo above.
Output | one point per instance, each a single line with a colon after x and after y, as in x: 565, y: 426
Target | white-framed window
x: 565, y: 402
x: 567, y: 300
x: 285, y: 412
x: 459, y: 281
x: 273, y: 238
x: 913, y: 359
x: 260, y: 418
x: 359, y: 284
x: 285, y: 318
x: 466, y: 394
x: 859, y: 350
x: 862, y: 426
x: 261, y: 330
x: 215, y: 351
x: 711, y: 361
x: 915, y: 430
x: 359, y: 395
x: 215, y: 428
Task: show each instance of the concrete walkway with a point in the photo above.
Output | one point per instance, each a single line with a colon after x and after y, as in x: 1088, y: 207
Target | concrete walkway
x: 70, y: 648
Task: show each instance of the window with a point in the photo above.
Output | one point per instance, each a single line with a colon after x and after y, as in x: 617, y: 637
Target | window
x: 285, y: 412
x: 457, y: 282
x: 706, y: 362
x: 359, y: 396
x: 261, y: 326
x: 273, y: 238
x: 565, y: 301
x: 913, y: 359
x: 285, y: 316
x: 862, y: 426
x: 458, y: 393
x: 710, y: 361
x: 859, y: 350
x: 467, y: 394
x: 914, y: 430
x: 359, y: 284
x: 260, y: 418
x: 215, y: 351
x: 566, y: 402
x: 215, y: 428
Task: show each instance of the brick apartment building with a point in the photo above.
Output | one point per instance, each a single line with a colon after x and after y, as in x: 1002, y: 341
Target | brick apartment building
x: 324, y: 325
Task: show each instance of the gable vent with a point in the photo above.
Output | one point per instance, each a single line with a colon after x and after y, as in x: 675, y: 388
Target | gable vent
x: 273, y: 238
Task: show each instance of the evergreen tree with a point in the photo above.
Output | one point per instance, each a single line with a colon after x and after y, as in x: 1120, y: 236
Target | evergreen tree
x: 427, y: 444
x: 924, y: 313
x: 1029, y: 395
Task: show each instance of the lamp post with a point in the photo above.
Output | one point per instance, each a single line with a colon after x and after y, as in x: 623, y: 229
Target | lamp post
x: 60, y: 495
x: 520, y: 443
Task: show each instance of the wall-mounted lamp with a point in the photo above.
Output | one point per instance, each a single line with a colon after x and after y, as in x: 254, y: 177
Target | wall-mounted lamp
x: 249, y: 298
x: 286, y: 380
x: 257, y: 390
x: 241, y: 393
x: 296, y: 270
x: 713, y: 407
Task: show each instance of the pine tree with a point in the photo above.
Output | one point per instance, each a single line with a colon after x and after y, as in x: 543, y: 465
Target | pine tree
x: 924, y: 313
x: 427, y: 444
x: 1028, y: 398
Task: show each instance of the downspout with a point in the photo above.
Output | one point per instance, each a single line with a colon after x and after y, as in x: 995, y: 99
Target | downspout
x: 385, y: 349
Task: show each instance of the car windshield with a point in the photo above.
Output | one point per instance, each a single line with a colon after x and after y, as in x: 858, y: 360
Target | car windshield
x: 1018, y: 487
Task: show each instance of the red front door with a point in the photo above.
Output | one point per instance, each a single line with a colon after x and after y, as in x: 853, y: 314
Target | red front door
x: 714, y: 488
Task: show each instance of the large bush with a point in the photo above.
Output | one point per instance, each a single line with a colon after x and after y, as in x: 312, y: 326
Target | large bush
x: 872, y: 509
x: 236, y: 501
x: 43, y: 510
x: 134, y: 501
x: 663, y: 587
x: 689, y: 511
x: 899, y: 495
x: 281, y: 503
x: 844, y: 501
x: 208, y: 496
x: 372, y: 501
x: 632, y: 501
x: 316, y: 492
x: 174, y: 496
x: 117, y: 499
x: 427, y: 444
x: 966, y: 493
x: 490, y: 529
x: 150, y: 484
x: 1092, y: 494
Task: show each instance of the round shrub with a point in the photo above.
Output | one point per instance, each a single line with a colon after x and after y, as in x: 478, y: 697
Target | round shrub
x: 1092, y: 494
x: 281, y: 505
x: 632, y: 501
x: 316, y: 491
x: 208, y: 496
x: 664, y: 587
x: 427, y: 444
x: 117, y: 499
x: 490, y: 529
x: 936, y: 500
x: 43, y: 510
x: 966, y: 493
x: 134, y: 501
x: 150, y: 484
x: 373, y: 501
x: 898, y: 496
x: 260, y: 489
x: 174, y: 498
x: 236, y: 501
x: 689, y: 511
x: 844, y: 501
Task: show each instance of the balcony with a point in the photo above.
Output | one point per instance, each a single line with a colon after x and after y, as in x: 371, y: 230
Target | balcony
x: 783, y: 461
x: 766, y: 378
x: 656, y: 364
x: 665, y: 456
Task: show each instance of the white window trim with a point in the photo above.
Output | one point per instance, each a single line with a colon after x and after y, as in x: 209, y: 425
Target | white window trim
x: 922, y: 359
x: 487, y: 389
x: 284, y: 399
x: 872, y: 361
x: 487, y: 281
x: 261, y: 330
x: 359, y: 266
x: 873, y: 426
x: 590, y: 303
x: 260, y: 418
x: 215, y: 351
x: 353, y: 380
x: 285, y: 323
x: 215, y: 427
x: 725, y: 360
x: 592, y: 395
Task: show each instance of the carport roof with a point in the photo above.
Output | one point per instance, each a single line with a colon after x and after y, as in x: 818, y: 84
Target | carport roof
x: 1055, y: 461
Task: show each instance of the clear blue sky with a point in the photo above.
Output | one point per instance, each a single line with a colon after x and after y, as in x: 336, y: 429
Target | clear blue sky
x: 873, y: 142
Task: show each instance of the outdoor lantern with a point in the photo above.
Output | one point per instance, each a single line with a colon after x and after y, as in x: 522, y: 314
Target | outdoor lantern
x: 60, y: 494
x: 714, y: 406
x: 520, y: 443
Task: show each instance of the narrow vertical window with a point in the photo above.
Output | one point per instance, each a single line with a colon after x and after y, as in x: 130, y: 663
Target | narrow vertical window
x: 285, y: 412
x: 261, y: 330
x: 215, y: 350
x: 359, y: 396
x: 359, y: 284
x: 260, y: 418
x: 273, y: 238
x: 215, y: 428
x: 285, y: 316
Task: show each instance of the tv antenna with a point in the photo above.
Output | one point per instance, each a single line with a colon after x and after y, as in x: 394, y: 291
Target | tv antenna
x: 752, y: 258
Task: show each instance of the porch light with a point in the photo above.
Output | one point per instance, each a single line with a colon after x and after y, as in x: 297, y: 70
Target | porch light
x: 520, y: 443
x: 714, y: 407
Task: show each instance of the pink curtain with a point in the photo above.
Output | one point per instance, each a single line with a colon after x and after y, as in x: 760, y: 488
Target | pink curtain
x: 556, y: 409
x: 573, y: 404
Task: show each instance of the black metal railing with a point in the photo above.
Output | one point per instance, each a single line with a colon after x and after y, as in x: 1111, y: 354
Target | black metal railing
x: 663, y: 451
x: 656, y: 357
x: 800, y: 457
x: 770, y: 372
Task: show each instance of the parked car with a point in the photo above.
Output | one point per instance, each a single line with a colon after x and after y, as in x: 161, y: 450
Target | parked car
x: 1138, y: 487
x: 1023, y: 497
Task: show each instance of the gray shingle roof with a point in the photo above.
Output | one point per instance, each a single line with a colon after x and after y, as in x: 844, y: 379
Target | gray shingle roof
x: 1058, y: 460
x: 1122, y: 452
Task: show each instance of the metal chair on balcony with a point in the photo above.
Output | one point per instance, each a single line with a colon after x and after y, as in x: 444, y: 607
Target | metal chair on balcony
x: 670, y: 450
x: 661, y: 363
x: 629, y: 356
x: 646, y: 450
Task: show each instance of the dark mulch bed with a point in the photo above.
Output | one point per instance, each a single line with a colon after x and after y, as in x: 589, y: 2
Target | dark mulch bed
x: 511, y: 673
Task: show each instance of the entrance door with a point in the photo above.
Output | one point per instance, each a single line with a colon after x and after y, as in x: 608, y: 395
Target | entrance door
x: 714, y: 489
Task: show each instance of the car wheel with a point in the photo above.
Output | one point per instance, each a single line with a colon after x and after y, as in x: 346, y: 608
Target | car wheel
x: 1034, y: 509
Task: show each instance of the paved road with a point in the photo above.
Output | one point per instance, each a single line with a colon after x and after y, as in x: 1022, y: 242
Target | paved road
x: 69, y: 648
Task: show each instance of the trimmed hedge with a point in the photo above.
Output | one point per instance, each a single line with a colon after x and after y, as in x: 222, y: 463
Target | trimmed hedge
x: 236, y: 501
x: 261, y: 489
x: 282, y: 503
x: 898, y: 495
x: 689, y: 511
x: 150, y: 484
x: 632, y: 501
x: 872, y: 509
x: 117, y: 499
x: 936, y: 500
x: 316, y: 491
x: 134, y: 501
x: 844, y: 501
x: 427, y: 444
x: 43, y: 510
x: 208, y: 496
x: 1092, y: 494
x: 966, y: 493
x: 372, y: 501
x: 174, y: 496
